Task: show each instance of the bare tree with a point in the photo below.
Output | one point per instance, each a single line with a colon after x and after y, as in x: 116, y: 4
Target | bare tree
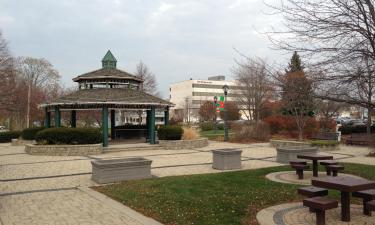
x: 7, y: 74
x: 327, y: 110
x: 338, y: 36
x: 38, y: 73
x: 149, y: 84
x: 233, y: 111
x: 207, y: 111
x: 253, y: 77
x: 149, y: 81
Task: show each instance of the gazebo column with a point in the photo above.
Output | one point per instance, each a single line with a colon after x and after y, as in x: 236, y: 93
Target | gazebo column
x: 73, y: 118
x: 47, y: 119
x: 148, y: 116
x: 113, y: 124
x: 166, y: 116
x: 152, y: 125
x: 57, y: 117
x: 105, y: 126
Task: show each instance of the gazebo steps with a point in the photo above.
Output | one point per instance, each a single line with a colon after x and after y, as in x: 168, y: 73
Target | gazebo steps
x: 132, y: 147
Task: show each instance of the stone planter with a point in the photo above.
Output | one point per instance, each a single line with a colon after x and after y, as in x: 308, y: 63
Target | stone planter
x: 286, y: 154
x: 21, y: 142
x: 63, y: 150
x: 115, y: 170
x: 286, y: 143
x: 226, y: 159
x: 183, y: 144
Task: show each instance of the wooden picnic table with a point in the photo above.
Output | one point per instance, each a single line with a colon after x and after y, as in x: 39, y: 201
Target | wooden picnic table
x: 315, y: 159
x: 345, y: 185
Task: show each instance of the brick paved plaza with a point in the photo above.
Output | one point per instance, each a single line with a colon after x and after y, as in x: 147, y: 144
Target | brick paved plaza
x: 52, y: 189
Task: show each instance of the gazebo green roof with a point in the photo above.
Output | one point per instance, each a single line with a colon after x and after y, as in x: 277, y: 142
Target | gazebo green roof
x: 107, y: 73
x: 110, y: 97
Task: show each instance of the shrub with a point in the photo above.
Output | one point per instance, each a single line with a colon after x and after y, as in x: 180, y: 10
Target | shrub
x: 206, y: 126
x: 170, y: 132
x: 324, y: 143
x: 275, y: 123
x: 71, y: 136
x: 311, y: 127
x: 131, y: 126
x: 189, y: 133
x: 9, y: 135
x: 258, y: 132
x: 29, y: 133
x: 220, y: 126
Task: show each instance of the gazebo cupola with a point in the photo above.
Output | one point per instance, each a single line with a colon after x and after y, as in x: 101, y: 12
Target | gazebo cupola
x: 108, y: 76
x: 109, y: 61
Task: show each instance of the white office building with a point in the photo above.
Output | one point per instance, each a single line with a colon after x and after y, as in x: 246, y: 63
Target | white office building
x: 189, y: 95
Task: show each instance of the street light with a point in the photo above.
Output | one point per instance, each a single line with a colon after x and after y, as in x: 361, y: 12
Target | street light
x: 225, y: 89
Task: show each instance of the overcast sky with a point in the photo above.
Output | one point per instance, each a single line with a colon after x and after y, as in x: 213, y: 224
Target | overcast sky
x: 178, y: 40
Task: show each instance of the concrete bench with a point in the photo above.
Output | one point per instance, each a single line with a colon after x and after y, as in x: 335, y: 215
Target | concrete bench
x: 299, y: 170
x: 326, y: 163
x: 366, y: 195
x: 335, y: 169
x: 358, y: 139
x: 320, y: 205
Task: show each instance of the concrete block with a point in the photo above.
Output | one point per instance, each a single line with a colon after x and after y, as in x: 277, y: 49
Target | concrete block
x: 115, y: 170
x: 226, y: 159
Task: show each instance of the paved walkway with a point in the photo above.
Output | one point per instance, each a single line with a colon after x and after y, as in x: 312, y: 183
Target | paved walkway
x: 52, y: 189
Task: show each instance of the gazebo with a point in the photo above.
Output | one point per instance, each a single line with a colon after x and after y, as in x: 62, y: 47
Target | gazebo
x: 108, y: 89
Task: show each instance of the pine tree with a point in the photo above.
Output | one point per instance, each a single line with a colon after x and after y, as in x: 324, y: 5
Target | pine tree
x: 295, y: 64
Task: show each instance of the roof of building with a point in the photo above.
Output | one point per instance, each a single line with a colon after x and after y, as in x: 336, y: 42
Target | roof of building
x: 110, y: 97
x: 107, y: 73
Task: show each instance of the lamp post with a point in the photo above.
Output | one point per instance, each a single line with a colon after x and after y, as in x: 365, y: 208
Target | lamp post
x: 215, y: 118
x: 225, y: 89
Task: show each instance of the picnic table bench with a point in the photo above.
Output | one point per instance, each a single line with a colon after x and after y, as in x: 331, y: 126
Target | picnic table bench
x: 358, y: 138
x: 325, y: 136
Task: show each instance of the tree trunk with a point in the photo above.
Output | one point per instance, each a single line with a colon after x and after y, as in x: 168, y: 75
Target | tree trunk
x: 28, y: 106
x: 369, y: 121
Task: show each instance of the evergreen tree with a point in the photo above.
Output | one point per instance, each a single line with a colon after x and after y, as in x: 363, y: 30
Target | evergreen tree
x: 295, y: 64
x: 297, y: 94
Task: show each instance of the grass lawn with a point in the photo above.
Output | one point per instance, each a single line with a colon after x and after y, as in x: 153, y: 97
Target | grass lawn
x: 222, y: 198
x: 212, y: 135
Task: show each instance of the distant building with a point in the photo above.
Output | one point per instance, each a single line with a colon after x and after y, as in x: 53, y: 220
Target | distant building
x: 189, y: 95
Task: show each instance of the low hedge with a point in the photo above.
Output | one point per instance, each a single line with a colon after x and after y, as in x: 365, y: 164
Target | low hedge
x: 7, y: 136
x: 170, y: 132
x: 29, y: 133
x: 324, y: 143
x: 206, y: 126
x: 69, y: 136
x: 135, y: 127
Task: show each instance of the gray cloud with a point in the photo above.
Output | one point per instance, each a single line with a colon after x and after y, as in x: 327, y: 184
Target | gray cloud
x: 177, y: 39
